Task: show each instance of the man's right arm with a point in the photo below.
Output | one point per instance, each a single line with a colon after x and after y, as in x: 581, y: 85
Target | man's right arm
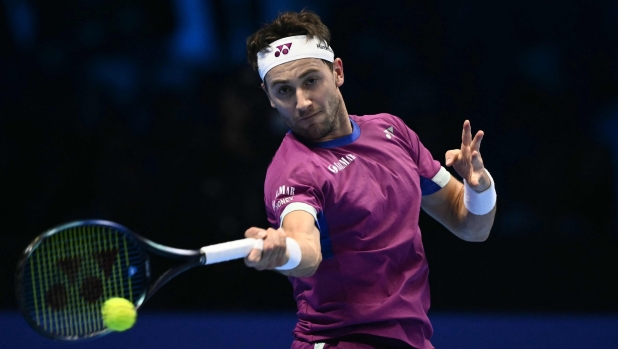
x: 298, y: 225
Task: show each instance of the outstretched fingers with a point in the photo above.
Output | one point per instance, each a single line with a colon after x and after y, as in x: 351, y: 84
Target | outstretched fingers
x: 451, y: 156
x: 466, y: 133
x: 467, y: 161
x: 476, y: 142
x: 477, y: 161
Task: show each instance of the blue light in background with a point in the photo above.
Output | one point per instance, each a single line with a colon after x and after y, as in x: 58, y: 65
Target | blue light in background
x: 194, y: 40
x: 21, y: 22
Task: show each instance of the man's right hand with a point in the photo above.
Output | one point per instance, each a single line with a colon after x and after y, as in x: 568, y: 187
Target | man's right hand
x: 274, y: 251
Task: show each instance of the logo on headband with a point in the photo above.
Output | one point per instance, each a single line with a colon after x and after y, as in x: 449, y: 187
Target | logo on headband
x: 324, y: 47
x: 285, y: 48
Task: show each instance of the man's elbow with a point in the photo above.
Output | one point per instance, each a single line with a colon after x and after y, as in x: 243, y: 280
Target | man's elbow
x: 476, y: 235
x: 479, y: 237
x: 478, y: 229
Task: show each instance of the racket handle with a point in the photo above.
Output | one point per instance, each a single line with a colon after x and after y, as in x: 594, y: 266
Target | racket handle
x: 230, y: 250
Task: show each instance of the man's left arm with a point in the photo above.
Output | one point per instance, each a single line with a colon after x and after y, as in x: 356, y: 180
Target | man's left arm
x: 467, y: 210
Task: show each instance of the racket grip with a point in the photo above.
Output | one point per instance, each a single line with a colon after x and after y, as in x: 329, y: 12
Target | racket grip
x: 227, y: 251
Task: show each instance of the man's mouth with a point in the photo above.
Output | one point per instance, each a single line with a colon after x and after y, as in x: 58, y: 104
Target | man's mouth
x: 309, y: 116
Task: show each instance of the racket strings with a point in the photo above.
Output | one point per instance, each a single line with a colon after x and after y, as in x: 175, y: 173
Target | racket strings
x: 72, y: 272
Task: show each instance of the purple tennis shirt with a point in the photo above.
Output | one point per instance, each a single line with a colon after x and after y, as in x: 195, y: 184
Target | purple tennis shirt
x: 366, y: 189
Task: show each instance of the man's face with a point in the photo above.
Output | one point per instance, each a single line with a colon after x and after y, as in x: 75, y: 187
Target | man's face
x: 306, y: 94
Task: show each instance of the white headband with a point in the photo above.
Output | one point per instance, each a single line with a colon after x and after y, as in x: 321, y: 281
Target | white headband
x: 290, y: 49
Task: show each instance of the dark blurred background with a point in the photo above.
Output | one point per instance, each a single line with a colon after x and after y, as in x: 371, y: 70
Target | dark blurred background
x: 146, y: 113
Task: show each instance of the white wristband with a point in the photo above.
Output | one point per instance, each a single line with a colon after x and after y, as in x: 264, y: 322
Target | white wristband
x: 480, y: 203
x: 295, y: 255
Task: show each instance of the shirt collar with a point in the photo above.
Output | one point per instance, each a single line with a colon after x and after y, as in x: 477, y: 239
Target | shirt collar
x: 341, y: 141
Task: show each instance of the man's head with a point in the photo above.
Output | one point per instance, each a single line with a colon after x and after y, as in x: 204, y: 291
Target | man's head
x: 300, y: 75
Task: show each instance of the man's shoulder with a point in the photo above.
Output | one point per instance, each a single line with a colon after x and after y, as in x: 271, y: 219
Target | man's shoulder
x: 378, y: 119
x: 292, y: 155
x: 374, y: 117
x: 295, y: 167
x: 383, y: 121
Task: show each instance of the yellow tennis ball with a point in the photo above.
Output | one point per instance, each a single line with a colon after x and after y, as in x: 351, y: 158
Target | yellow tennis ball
x: 118, y: 314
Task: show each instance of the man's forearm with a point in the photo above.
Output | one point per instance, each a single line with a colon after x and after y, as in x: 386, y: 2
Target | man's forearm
x: 475, y: 225
x: 476, y: 228
x: 300, y: 226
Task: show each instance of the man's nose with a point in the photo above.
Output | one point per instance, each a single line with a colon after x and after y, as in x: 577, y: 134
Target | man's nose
x: 302, y: 100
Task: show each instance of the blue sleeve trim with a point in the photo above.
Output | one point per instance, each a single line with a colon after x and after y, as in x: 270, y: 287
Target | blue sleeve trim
x: 325, y: 242
x: 428, y: 186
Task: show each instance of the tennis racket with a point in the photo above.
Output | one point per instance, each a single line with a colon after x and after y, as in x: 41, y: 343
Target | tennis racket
x: 66, y: 274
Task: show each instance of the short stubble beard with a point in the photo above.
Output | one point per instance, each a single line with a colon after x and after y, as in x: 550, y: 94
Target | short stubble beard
x: 330, y: 123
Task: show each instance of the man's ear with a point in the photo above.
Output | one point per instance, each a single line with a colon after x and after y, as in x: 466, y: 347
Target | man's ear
x: 338, y: 71
x: 267, y: 95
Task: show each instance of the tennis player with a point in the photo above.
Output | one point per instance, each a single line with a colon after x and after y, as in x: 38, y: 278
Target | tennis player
x: 343, y: 194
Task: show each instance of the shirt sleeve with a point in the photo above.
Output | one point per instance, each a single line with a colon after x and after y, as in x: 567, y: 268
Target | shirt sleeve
x: 287, y: 193
x: 433, y: 176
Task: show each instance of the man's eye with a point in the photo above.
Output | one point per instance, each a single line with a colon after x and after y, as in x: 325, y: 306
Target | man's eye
x: 284, y: 90
x: 311, y: 81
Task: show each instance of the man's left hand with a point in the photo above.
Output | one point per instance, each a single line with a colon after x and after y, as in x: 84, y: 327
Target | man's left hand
x: 467, y: 161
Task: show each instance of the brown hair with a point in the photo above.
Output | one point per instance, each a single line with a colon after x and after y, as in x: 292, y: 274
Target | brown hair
x: 286, y: 24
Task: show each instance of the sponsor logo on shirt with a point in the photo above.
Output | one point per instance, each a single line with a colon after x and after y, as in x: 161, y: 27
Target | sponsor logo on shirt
x: 342, y: 163
x: 283, y: 190
x: 389, y: 132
